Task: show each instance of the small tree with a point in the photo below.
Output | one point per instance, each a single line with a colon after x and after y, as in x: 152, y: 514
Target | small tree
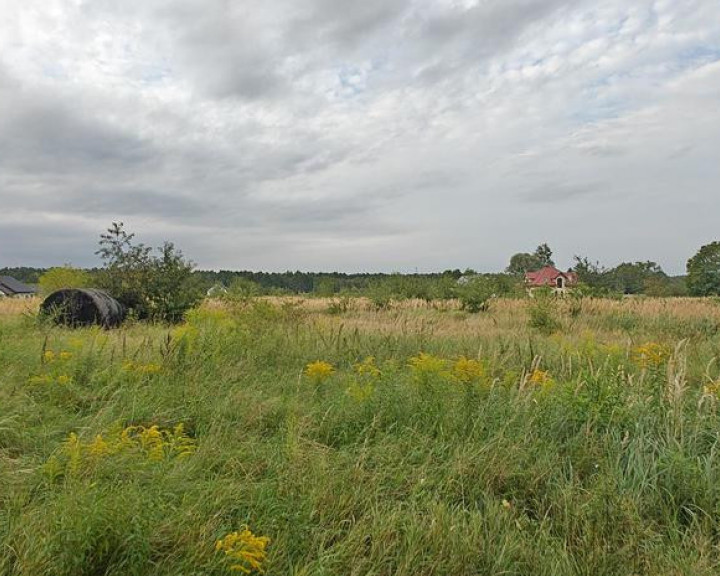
x: 475, y: 294
x: 159, y: 287
x: 703, y: 270
x: 63, y: 277
x: 523, y: 262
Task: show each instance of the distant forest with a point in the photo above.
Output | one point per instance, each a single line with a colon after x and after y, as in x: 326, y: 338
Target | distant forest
x: 627, y: 278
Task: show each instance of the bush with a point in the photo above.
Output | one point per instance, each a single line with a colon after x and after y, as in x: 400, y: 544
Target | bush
x: 63, y: 277
x: 543, y: 311
x: 158, y: 287
x: 242, y: 290
x: 475, y: 294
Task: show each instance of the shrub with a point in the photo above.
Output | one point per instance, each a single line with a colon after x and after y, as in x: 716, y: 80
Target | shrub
x: 158, y: 287
x: 543, y: 311
x: 63, y: 277
x: 242, y: 290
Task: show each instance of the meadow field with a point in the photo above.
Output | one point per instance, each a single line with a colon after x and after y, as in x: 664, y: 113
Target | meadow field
x: 292, y: 436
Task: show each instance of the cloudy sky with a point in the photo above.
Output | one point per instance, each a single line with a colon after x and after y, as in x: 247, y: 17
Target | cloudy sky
x: 360, y: 135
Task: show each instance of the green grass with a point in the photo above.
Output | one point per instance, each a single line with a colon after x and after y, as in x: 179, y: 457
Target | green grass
x: 609, y: 467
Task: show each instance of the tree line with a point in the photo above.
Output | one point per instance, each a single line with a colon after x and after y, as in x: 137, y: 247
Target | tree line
x: 160, y: 283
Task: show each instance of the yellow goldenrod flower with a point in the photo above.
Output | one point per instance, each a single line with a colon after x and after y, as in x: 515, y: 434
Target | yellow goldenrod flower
x: 244, y: 550
x: 148, y: 368
x: 540, y: 377
x: 367, y: 368
x: 99, y: 447
x: 426, y: 364
x: 712, y: 389
x: 65, y: 355
x: 73, y: 450
x: 467, y: 370
x: 63, y: 379
x: 651, y: 355
x: 182, y: 444
x: 319, y: 371
x: 49, y: 356
x: 152, y: 442
x: 151, y: 368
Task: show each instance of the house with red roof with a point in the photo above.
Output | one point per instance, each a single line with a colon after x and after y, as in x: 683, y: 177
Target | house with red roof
x: 551, y: 277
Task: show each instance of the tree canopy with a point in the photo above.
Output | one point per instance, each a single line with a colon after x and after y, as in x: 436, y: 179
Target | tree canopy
x: 63, y: 277
x: 523, y: 262
x: 703, y: 270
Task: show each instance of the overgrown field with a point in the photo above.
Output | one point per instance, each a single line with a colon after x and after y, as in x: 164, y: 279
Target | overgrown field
x: 328, y: 438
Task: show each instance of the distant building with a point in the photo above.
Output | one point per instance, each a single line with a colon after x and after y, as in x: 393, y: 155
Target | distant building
x: 217, y: 291
x: 551, y: 277
x: 11, y: 287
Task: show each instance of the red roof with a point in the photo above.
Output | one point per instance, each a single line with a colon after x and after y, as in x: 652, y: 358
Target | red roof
x: 548, y: 277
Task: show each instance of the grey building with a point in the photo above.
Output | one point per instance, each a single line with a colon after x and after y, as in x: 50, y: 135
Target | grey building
x: 11, y: 287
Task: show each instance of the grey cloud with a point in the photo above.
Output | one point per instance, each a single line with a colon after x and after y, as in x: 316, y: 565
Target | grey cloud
x: 336, y: 134
x: 42, y: 134
x: 558, y: 192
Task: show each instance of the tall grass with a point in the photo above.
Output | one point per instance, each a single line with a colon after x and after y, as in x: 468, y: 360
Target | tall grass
x: 439, y: 443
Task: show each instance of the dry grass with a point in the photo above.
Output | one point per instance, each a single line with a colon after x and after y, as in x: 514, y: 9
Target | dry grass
x: 15, y: 306
x: 606, y: 318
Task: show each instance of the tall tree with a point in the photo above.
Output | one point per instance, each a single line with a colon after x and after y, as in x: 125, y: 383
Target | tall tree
x: 590, y: 273
x: 544, y: 255
x: 703, y: 270
x: 633, y: 277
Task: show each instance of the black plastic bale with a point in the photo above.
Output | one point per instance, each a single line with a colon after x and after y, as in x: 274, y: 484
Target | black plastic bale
x: 76, y: 307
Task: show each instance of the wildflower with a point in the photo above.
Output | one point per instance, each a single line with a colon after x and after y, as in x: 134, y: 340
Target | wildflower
x: 367, y: 368
x: 73, y: 450
x: 651, y: 355
x: 152, y: 442
x: 182, y: 444
x: 712, y: 389
x: 319, y: 371
x: 244, y: 550
x: 49, y: 356
x: 426, y: 364
x: 539, y: 377
x: 65, y: 355
x: 63, y: 379
x: 467, y: 370
x: 99, y: 447
x: 148, y: 369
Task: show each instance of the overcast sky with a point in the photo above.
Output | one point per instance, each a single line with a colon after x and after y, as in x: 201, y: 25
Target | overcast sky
x: 372, y: 135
